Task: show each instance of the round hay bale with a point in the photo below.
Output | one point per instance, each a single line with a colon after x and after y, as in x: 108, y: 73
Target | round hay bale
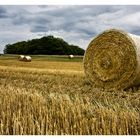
x: 112, y: 60
x: 27, y: 59
x: 20, y: 57
x: 71, y: 56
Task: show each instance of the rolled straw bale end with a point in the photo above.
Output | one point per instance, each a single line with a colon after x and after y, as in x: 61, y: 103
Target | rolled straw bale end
x: 111, y: 60
x: 20, y: 57
x: 27, y: 59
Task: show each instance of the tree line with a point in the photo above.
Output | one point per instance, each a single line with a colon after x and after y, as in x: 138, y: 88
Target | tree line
x: 47, y: 45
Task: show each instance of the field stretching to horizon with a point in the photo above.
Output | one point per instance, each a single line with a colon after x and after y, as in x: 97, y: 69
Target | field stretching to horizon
x: 51, y: 96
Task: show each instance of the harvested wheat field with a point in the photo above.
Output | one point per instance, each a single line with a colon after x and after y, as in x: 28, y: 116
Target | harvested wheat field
x: 51, y: 96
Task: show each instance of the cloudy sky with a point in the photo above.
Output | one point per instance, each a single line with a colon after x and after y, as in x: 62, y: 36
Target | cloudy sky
x: 75, y: 24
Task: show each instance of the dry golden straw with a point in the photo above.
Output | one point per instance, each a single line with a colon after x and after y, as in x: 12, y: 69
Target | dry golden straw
x: 112, y: 60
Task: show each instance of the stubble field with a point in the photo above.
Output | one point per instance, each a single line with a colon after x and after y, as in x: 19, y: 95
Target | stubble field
x: 51, y: 96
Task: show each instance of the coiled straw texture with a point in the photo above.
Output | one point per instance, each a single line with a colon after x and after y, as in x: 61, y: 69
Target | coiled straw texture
x: 112, y: 60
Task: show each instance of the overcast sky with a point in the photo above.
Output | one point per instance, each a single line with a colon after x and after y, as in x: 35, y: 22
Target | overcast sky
x: 75, y: 24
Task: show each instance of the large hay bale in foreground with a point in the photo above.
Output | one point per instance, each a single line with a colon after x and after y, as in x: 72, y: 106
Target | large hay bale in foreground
x: 112, y: 60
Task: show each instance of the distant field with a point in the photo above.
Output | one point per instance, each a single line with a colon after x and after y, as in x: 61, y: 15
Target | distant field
x: 46, y: 57
x: 44, y: 62
x: 51, y: 95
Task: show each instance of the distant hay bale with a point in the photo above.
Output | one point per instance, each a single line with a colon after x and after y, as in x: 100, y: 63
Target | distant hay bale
x: 71, y: 56
x: 24, y: 58
x: 20, y: 58
x: 112, y: 60
x: 27, y: 59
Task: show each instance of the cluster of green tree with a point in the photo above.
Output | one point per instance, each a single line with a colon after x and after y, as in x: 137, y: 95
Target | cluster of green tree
x: 48, y: 45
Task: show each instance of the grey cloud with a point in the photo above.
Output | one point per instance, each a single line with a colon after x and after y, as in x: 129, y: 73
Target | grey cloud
x: 76, y: 24
x: 3, y: 13
x: 65, y: 17
x: 76, y: 11
x: 39, y: 28
x: 133, y: 30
